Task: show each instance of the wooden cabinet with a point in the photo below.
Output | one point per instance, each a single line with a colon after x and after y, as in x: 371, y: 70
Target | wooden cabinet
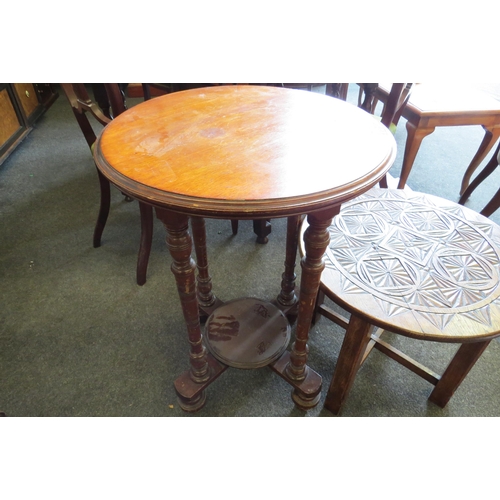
x: 26, y: 95
x: 21, y: 104
x: 12, y: 129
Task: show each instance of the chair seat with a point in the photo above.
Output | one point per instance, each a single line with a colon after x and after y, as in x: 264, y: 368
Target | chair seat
x: 416, y: 265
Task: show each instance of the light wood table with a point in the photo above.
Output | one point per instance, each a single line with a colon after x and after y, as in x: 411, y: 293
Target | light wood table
x: 245, y: 152
x: 437, y: 105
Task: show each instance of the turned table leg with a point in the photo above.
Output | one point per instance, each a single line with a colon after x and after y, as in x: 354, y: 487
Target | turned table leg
x: 189, y: 386
x: 316, y: 240
x: 287, y: 297
x: 206, y: 299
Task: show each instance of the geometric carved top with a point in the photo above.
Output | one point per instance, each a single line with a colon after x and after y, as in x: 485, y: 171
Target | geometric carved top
x: 416, y: 264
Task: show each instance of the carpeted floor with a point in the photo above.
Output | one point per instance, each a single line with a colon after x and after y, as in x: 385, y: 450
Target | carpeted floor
x: 78, y: 337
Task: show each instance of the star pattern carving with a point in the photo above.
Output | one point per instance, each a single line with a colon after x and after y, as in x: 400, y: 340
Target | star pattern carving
x: 417, y: 254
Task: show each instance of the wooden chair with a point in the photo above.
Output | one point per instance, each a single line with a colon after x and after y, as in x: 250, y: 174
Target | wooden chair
x: 490, y: 167
x: 415, y: 265
x: 81, y: 104
x: 434, y: 105
x: 395, y: 102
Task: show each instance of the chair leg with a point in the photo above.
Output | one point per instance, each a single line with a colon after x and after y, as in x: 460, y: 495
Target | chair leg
x: 355, y: 343
x: 413, y: 140
x: 490, y: 167
x: 234, y: 226
x: 486, y: 172
x: 489, y: 140
x: 103, y: 209
x: 146, y: 240
x: 492, y: 206
x: 457, y: 370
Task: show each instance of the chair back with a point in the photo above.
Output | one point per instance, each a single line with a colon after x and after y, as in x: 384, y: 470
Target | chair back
x: 395, y: 101
x: 81, y: 104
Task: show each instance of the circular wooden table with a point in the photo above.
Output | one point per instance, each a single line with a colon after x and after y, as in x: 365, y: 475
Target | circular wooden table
x: 418, y: 266
x: 245, y: 152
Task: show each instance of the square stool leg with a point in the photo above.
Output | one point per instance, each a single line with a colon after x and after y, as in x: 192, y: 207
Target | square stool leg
x: 457, y: 370
x: 356, y: 340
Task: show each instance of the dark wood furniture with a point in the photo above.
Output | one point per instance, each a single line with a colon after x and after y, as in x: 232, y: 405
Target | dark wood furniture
x: 338, y: 90
x: 395, y: 99
x: 438, y: 105
x: 415, y: 265
x: 493, y: 205
x: 245, y: 152
x: 21, y: 104
x: 113, y: 105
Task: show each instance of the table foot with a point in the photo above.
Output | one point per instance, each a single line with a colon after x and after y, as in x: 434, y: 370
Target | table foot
x: 306, y: 392
x: 305, y: 403
x: 190, y: 394
x: 194, y: 404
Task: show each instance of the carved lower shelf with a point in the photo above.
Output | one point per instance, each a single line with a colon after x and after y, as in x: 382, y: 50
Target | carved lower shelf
x: 247, y: 333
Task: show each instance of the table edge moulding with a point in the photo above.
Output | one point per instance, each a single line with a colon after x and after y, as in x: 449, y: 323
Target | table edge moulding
x: 248, y: 152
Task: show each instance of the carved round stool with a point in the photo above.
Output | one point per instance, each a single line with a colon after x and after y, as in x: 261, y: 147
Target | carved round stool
x: 416, y: 265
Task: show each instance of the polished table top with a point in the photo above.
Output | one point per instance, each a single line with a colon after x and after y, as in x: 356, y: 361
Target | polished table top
x: 244, y: 151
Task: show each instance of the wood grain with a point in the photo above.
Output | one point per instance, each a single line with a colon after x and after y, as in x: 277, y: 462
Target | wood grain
x: 244, y: 150
x: 9, y: 123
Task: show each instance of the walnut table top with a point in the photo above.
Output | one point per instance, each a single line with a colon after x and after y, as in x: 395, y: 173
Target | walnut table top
x: 244, y: 151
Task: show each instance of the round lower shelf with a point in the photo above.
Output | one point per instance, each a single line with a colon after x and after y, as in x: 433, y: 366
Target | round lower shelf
x: 247, y: 333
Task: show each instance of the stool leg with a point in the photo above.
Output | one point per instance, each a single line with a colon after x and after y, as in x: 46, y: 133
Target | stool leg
x: 351, y: 353
x: 457, y: 370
